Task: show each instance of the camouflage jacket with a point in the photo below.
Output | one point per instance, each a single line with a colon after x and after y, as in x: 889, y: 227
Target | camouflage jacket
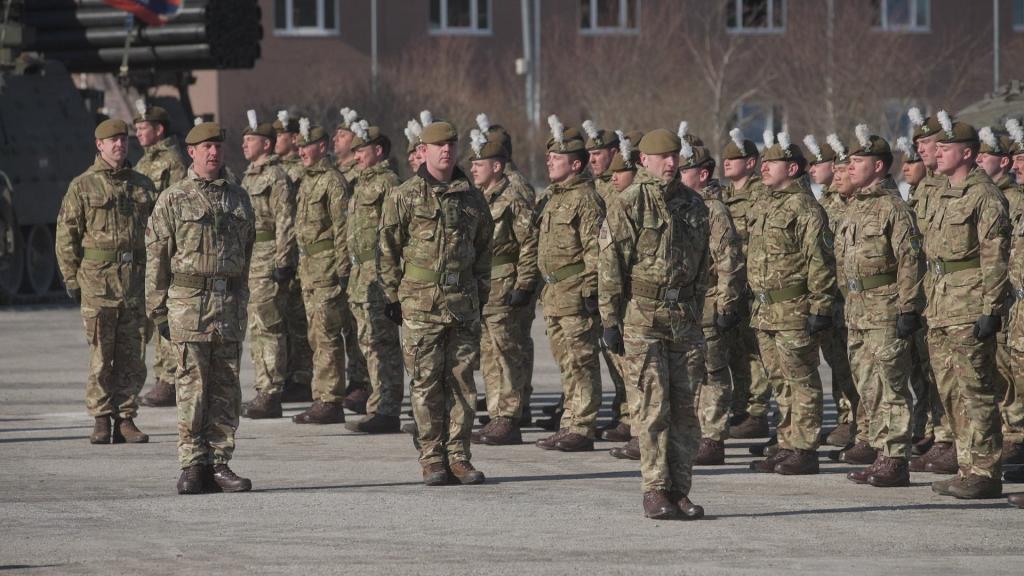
x: 519, y: 183
x: 350, y: 169
x: 198, y: 245
x: 879, y: 266
x: 727, y: 274
x: 364, y: 212
x: 969, y: 231
x: 604, y: 187
x: 929, y: 187
x: 100, y: 241
x: 655, y: 258
x: 569, y: 218
x: 514, y: 249
x: 162, y: 163
x: 1014, y: 196
x: 1014, y: 327
x: 272, y: 201
x: 790, y: 264
x: 321, y: 221
x: 740, y: 202
x: 435, y: 248
x: 293, y: 167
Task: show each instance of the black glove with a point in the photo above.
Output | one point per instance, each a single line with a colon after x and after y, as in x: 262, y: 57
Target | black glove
x: 343, y: 282
x: 282, y: 275
x: 590, y: 305
x: 986, y: 326
x: 906, y: 324
x: 816, y: 323
x: 75, y: 294
x: 518, y: 298
x: 613, y: 340
x: 164, y: 329
x: 727, y: 321
x: 393, y: 310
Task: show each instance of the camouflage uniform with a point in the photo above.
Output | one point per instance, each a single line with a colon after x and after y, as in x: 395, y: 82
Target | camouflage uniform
x: 967, y: 244
x: 1011, y: 400
x: 727, y: 288
x: 101, y: 251
x: 504, y: 329
x: 378, y: 336
x: 567, y: 255
x: 271, y: 197
x: 435, y: 258
x: 1014, y: 328
x: 791, y: 272
x: 198, y: 244
x: 356, y: 373
x: 320, y: 230
x: 879, y: 270
x: 654, y: 264
x: 164, y: 165
x: 518, y: 182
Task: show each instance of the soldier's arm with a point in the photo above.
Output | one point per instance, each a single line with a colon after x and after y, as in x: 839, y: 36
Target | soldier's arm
x: 616, y: 242
x: 905, y: 242
x: 812, y: 228
x: 70, y: 229
x: 177, y: 170
x: 392, y: 237
x: 284, y: 222
x: 728, y: 260
x: 159, y: 250
x: 248, y: 243
x: 591, y: 215
x: 482, y: 244
x: 528, y: 236
x: 339, y: 216
x: 994, y: 251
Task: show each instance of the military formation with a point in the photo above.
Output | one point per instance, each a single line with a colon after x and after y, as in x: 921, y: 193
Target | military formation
x: 706, y: 301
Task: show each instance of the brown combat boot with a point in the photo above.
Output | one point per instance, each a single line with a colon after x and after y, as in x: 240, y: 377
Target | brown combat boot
x: 504, y: 432
x: 1016, y: 499
x: 355, y: 399
x: 630, y: 451
x: 435, y: 474
x: 466, y: 473
x: 890, y: 473
x: 799, y: 463
x: 100, y: 430
x: 161, y: 395
x: 296, y: 392
x: 861, y: 476
x: 859, y: 453
x: 1013, y: 453
x: 573, y: 442
x: 477, y: 436
x: 264, y: 405
x: 376, y: 424
x: 658, y: 506
x: 710, y: 453
x: 126, y: 431
x: 842, y: 435
x: 191, y: 480
x: 941, y: 487
x: 615, y: 432
x: 688, y: 510
x: 229, y: 481
x: 549, y: 442
x: 210, y: 485
x: 321, y: 413
x: 944, y: 461
x: 767, y: 466
x: 750, y: 427
x: 973, y: 486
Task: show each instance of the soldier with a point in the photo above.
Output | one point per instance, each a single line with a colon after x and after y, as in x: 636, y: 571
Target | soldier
x: 570, y: 216
x: 1015, y: 326
x: 378, y: 336
x: 726, y: 288
x: 821, y: 162
x: 273, y: 267
x: 751, y: 389
x: 967, y: 243
x: 792, y: 275
x: 198, y: 246
x: 162, y: 163
x: 101, y: 255
x: 344, y: 152
x: 324, y: 268
x: 413, y: 158
x: 286, y: 148
x: 435, y: 263
x: 514, y: 280
x: 654, y: 263
x: 879, y: 267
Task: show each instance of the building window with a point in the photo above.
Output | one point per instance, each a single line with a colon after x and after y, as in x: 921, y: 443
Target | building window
x: 306, y: 17
x: 756, y: 117
x: 903, y: 15
x: 896, y: 123
x: 1018, y: 15
x: 460, y: 16
x: 755, y: 16
x: 609, y: 16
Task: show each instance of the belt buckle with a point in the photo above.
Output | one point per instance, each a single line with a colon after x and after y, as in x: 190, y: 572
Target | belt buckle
x: 763, y: 298
x: 219, y: 284
x: 451, y: 278
x: 549, y: 279
x: 352, y: 258
x: 672, y: 295
x: 937, y: 267
x: 127, y: 257
x: 1019, y: 293
x: 854, y: 285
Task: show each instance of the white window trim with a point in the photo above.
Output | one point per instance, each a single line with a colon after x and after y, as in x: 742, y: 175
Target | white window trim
x: 770, y: 29
x: 622, y: 28
x: 309, y: 31
x: 909, y: 29
x: 474, y: 16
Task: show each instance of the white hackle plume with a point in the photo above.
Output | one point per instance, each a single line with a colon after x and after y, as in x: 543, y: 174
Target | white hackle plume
x: 903, y: 145
x: 348, y: 116
x: 426, y: 118
x: 915, y: 116
x: 483, y: 122
x: 1016, y: 131
x: 140, y: 106
x: 477, y: 141
x: 251, y: 115
x: 557, y: 130
x: 986, y: 135
x: 282, y: 117
x: 863, y: 135
x: 684, y: 127
x: 768, y: 137
x: 304, y: 128
x: 784, y: 141
x: 359, y: 129
x: 197, y: 121
x: 625, y: 146
x: 591, y: 129
x: 413, y: 129
x: 737, y: 137
x: 945, y: 121
x: 837, y: 145
x: 812, y: 145
x: 685, y: 150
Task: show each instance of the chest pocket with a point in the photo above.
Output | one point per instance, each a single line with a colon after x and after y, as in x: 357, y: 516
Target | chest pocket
x: 501, y: 214
x: 958, y: 232
x: 872, y: 248
x: 100, y: 215
x: 561, y: 225
x: 780, y: 234
x: 648, y: 241
x: 194, y: 221
x: 424, y: 221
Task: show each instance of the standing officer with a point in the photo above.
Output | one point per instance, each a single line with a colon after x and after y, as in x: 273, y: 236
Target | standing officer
x: 198, y: 246
x: 101, y: 254
x: 1015, y: 327
x: 435, y: 265
x: 654, y: 263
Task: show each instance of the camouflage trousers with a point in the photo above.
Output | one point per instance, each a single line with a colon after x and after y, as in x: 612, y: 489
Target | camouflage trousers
x: 300, y: 356
x: 1011, y: 404
x: 163, y: 355
x: 209, y: 401
x: 616, y: 368
x: 440, y: 360
x: 929, y: 416
x: 505, y: 361
x: 574, y: 344
x: 268, y: 334
x: 528, y: 347
x: 117, y: 367
x: 844, y: 393
x: 382, y: 349
x: 356, y: 373
x: 881, y: 369
x: 791, y: 359
x: 963, y: 372
x: 715, y: 394
x: 666, y: 373
x: 751, y: 390
x: 325, y: 308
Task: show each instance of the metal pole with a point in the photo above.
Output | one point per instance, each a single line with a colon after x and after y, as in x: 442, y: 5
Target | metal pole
x: 995, y: 46
x: 536, y: 63
x: 527, y: 56
x: 830, y: 107
x: 373, y: 47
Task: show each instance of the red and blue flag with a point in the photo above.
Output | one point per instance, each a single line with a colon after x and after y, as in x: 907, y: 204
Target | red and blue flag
x: 152, y: 12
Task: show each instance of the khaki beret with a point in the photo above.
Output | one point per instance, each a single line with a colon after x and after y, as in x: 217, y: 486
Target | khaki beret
x: 660, y: 141
x: 734, y: 152
x: 314, y: 135
x: 699, y: 156
x: 567, y: 145
x: 1017, y: 148
x: 371, y: 136
x: 497, y: 130
x: 819, y: 154
x: 623, y: 165
x: 110, y: 128
x: 439, y: 133
x: 960, y: 132
x: 492, y: 148
x: 204, y: 132
x: 603, y: 139
x: 875, y: 146
x: 1003, y: 145
x: 292, y: 127
x: 266, y: 130
x: 153, y: 114
x: 791, y: 153
x: 930, y: 127
x: 634, y: 136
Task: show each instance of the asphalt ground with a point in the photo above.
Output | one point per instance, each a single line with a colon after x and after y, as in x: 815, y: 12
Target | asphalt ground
x: 327, y: 501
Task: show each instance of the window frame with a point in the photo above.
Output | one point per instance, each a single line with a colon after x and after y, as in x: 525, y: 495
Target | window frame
x: 291, y: 31
x: 1017, y: 12
x: 770, y: 107
x: 621, y: 29
x: 474, y: 16
x: 770, y: 29
x: 884, y: 26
